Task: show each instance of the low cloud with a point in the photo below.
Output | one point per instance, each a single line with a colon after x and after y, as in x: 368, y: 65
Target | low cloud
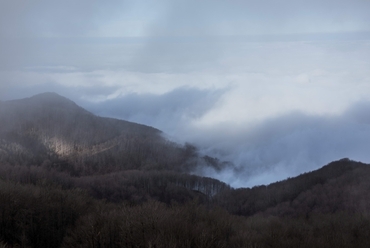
x: 267, y: 151
x: 264, y: 84
x: 288, y: 145
x: 261, y: 152
x: 171, y: 112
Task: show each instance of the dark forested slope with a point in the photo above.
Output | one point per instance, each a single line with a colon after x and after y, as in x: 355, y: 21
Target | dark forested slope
x: 341, y: 186
x: 69, y: 178
x: 49, y: 138
x: 52, y: 129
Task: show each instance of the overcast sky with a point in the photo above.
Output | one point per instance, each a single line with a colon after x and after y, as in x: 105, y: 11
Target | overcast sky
x: 277, y: 87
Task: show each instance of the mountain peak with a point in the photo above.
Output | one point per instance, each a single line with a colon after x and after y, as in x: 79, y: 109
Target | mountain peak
x: 52, y: 99
x: 47, y: 94
x: 50, y: 96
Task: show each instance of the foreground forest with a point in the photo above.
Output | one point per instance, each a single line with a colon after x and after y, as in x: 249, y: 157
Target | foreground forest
x: 71, y: 179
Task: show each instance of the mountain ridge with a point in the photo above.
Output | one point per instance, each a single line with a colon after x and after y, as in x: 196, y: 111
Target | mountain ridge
x: 49, y: 125
x: 325, y: 190
x: 57, y: 125
x: 69, y: 178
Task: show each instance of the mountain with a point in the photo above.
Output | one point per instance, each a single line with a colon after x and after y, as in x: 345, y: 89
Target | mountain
x: 340, y: 186
x: 51, y: 132
x: 49, y: 138
x: 69, y: 178
x: 49, y: 128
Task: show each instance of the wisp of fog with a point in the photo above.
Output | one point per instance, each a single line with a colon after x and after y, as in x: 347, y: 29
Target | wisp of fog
x: 275, y: 88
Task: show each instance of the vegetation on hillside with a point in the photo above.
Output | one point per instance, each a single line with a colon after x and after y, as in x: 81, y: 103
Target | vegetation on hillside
x: 72, y: 179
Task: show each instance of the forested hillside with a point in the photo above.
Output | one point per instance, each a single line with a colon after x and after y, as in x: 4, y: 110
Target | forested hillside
x: 50, y: 129
x: 340, y: 186
x: 69, y: 178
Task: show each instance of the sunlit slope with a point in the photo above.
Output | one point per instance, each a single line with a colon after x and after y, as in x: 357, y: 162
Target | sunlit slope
x: 49, y: 128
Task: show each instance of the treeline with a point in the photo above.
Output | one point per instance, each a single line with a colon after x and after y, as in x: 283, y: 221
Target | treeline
x: 41, y: 206
x: 130, y: 186
x: 49, y: 216
x: 338, y: 186
x: 72, y: 179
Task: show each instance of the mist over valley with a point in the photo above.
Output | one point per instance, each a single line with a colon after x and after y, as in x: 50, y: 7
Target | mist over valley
x: 66, y: 168
x: 184, y: 123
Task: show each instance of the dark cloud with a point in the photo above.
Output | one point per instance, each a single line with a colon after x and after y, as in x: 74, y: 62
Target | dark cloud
x: 171, y: 112
x: 359, y: 112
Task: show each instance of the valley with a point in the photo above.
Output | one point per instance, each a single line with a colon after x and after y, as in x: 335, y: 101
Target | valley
x: 69, y: 178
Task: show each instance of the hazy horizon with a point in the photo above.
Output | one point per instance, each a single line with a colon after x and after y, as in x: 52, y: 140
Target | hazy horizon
x: 278, y: 88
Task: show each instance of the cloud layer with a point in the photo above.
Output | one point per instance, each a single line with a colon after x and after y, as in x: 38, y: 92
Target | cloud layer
x: 289, y: 145
x: 278, y: 88
x: 263, y: 152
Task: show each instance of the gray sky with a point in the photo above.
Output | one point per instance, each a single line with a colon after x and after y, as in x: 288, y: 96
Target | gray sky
x: 256, y: 82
